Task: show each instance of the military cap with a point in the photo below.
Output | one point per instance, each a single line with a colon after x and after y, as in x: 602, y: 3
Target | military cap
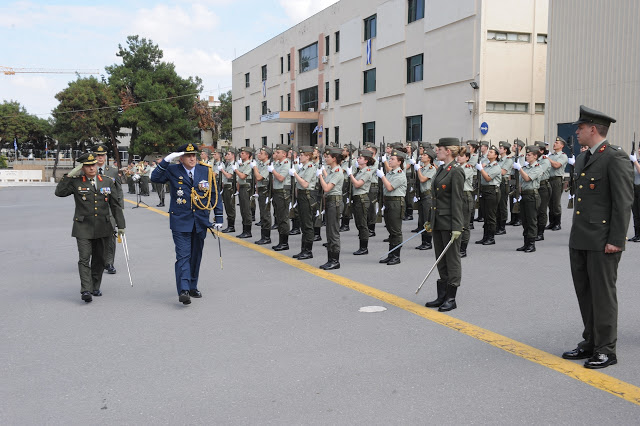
x: 267, y: 149
x: 396, y: 145
x: 187, y: 148
x: 519, y: 143
x: 232, y: 150
x: 562, y: 141
x: 349, y: 147
x: 425, y: 145
x: 365, y: 153
x: 305, y: 148
x: 485, y: 143
x: 533, y: 148
x: 588, y: 115
x: 504, y: 144
x: 448, y: 142
x: 100, y: 149
x: 430, y: 152
x: 413, y: 146
x: 494, y: 148
x: 283, y: 147
x: 87, y: 159
x: 473, y: 143
x: 398, y: 154
x: 541, y: 144
x: 333, y: 151
x: 246, y: 149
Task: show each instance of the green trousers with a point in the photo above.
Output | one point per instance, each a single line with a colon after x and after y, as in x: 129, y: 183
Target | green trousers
x: 244, y: 195
x: 229, y: 202
x: 281, y: 199
x: 360, y: 210
x: 91, y: 262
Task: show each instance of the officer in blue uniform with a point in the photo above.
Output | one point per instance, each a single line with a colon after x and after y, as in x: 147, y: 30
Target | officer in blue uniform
x: 194, y: 194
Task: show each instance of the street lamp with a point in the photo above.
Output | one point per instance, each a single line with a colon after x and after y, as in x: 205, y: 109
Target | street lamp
x: 470, y: 104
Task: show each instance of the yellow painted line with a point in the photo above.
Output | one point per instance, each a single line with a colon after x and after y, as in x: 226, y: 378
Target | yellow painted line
x: 572, y: 369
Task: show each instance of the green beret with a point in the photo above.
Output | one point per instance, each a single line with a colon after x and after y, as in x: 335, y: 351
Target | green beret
x: 87, y: 159
x: 448, y: 142
x: 398, y: 154
x: 365, y: 153
x: 100, y: 149
x: 588, y: 115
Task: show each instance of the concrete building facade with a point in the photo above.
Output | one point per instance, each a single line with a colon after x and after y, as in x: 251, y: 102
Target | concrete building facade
x: 364, y: 70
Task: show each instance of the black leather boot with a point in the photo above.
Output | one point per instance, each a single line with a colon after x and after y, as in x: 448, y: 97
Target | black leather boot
x: 463, y: 249
x: 344, y: 224
x: 540, y: 236
x: 266, y: 237
x: 306, y: 252
x: 395, y: 257
x: 490, y: 239
x: 531, y: 247
x: 442, y: 291
x: 524, y: 246
x: 426, y: 242
x: 517, y: 222
x: 230, y: 228
x: 372, y: 230
x: 364, y: 248
x: 295, y: 227
x: 635, y: 238
x: 449, y: 299
x: 501, y: 228
x: 316, y: 234
x: 283, y: 243
x: 246, y: 232
x: 332, y: 263
x: 484, y: 237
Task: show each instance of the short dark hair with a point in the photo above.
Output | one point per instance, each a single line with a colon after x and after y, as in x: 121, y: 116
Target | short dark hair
x: 602, y: 130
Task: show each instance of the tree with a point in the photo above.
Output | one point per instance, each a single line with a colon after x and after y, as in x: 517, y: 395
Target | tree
x: 142, y: 80
x: 204, y: 116
x: 87, y: 114
x: 28, y: 130
x: 222, y: 115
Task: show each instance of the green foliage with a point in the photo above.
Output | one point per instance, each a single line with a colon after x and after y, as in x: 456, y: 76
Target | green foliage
x: 3, y: 162
x: 156, y: 126
x: 29, y: 130
x: 223, y: 115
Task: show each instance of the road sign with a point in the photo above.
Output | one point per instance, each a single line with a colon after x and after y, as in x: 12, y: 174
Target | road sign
x: 484, y: 128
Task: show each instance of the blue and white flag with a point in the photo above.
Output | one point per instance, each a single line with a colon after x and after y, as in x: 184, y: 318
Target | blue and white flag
x: 15, y: 145
x: 369, y: 52
x: 264, y: 88
x: 315, y: 130
x: 320, y: 129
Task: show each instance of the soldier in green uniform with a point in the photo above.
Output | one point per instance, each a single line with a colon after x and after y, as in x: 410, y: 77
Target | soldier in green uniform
x: 518, y: 156
x: 245, y: 189
x: 229, y: 189
x: 425, y: 171
x: 395, y: 188
x: 372, y: 214
x: 307, y: 204
x: 347, y: 163
x: 490, y: 179
x: 447, y: 221
x: 636, y: 196
x: 411, y: 181
x: 159, y: 187
x: 361, y: 182
x: 506, y: 163
x: 529, y: 176
x: 100, y: 152
x: 544, y: 190
x: 96, y: 202
x: 262, y: 176
x: 332, y: 178
x: 468, y: 204
x: 281, y: 194
x: 293, y: 211
x: 558, y: 160
x: 145, y: 173
x: 604, y: 193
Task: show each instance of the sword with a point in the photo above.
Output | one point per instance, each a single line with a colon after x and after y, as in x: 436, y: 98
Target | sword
x: 402, y: 243
x: 219, y: 243
x: 435, y: 264
x: 125, y: 248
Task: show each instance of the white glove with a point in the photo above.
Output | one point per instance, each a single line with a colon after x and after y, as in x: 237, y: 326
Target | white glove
x: 440, y: 163
x: 384, y: 158
x: 220, y: 167
x: 75, y: 171
x: 300, y: 166
x: 526, y: 164
x: 349, y: 173
x: 571, y: 160
x: 379, y: 173
x: 479, y: 166
x: 412, y: 161
x: 517, y: 166
x: 253, y: 164
x: 270, y: 168
x: 417, y: 167
x: 633, y: 158
x: 169, y: 158
x: 234, y: 166
x: 292, y: 172
x: 217, y: 226
x: 415, y: 199
x: 319, y: 172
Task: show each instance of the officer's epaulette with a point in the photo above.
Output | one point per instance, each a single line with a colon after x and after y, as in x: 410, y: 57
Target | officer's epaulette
x: 368, y: 170
x: 285, y: 162
x: 467, y: 165
x: 537, y: 164
x: 205, y: 164
x: 431, y: 166
x: 400, y: 171
x: 544, y: 156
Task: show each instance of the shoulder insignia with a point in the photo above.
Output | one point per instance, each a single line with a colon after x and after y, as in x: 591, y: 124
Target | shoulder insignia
x: 603, y: 147
x: 537, y: 164
x: 400, y: 171
x: 545, y: 157
x: 100, y: 178
x: 205, y: 164
x: 337, y: 170
x: 449, y: 168
x: 84, y: 178
x: 467, y: 165
x: 286, y: 162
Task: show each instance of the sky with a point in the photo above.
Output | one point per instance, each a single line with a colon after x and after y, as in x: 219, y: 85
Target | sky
x: 201, y: 37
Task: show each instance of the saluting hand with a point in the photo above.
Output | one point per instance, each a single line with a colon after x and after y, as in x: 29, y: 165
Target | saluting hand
x: 169, y: 158
x: 75, y: 171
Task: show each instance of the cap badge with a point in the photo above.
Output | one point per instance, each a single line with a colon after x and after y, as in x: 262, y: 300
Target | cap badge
x: 190, y: 148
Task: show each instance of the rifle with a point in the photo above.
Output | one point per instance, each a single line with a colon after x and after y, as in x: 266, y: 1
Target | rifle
x: 349, y: 190
x: 572, y: 183
x: 270, y: 178
x: 380, y: 185
x: 633, y: 144
x: 292, y: 203
x: 516, y: 176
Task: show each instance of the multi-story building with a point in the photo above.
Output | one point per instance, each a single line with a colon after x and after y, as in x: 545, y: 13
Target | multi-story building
x: 364, y: 70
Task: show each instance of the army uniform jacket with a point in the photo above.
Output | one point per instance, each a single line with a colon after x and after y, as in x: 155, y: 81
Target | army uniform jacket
x: 307, y: 173
x: 469, y: 174
x: 94, y: 206
x: 398, y: 180
x: 428, y: 171
x: 534, y: 171
x: 183, y: 214
x: 604, y: 194
x: 282, y: 167
x: 365, y: 175
x: 546, y: 165
x: 447, y: 199
x: 263, y: 170
x: 559, y: 157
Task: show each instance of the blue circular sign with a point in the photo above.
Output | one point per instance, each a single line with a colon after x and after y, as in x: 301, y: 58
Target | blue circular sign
x: 484, y: 128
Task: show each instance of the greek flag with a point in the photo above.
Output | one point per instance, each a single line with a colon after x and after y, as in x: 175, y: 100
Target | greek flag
x: 320, y: 129
x: 315, y: 130
x: 369, y: 52
x: 264, y: 88
x: 15, y: 145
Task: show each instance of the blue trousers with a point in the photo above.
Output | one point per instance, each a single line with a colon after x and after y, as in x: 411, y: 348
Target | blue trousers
x: 188, y: 256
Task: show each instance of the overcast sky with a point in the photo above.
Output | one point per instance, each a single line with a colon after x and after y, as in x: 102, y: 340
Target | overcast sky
x: 200, y: 37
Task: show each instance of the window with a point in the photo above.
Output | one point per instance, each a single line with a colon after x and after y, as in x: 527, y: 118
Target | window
x: 309, y: 57
x: 281, y: 64
x: 288, y: 101
x: 281, y: 139
x: 541, y: 38
x: 281, y: 103
x: 264, y: 141
x: 309, y: 99
x: 326, y: 46
x: 370, y: 27
x: 264, y: 107
x: 337, y: 41
x: 247, y: 114
x: 414, y: 69
x: 504, y: 36
x: 337, y: 89
x: 247, y: 142
x: 414, y: 128
x: 370, y: 80
x: 416, y: 10
x: 288, y: 61
x: 369, y: 132
x: 507, y: 107
x: 264, y: 72
x: 326, y: 91
x: 336, y: 135
x: 539, y: 108
x: 246, y: 80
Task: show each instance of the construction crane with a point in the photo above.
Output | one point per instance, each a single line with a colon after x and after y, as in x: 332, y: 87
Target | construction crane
x: 14, y: 71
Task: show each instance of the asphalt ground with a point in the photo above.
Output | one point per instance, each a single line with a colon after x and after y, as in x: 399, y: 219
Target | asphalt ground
x: 278, y: 341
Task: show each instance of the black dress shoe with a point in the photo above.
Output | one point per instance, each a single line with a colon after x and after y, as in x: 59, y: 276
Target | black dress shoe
x: 424, y: 246
x: 416, y: 230
x: 361, y: 251
x: 372, y: 234
x: 110, y: 269
x: 394, y: 260
x: 86, y: 296
x: 386, y: 259
x: 195, y: 293
x: 556, y: 227
x: 344, y: 228
x: 599, y: 360
x: 244, y: 235
x: 407, y: 217
x: 518, y: 223
x: 96, y: 293
x: 280, y: 247
x: 259, y: 223
x: 274, y: 226
x: 577, y: 353
x: 386, y: 240
x: 184, y: 297
x: 228, y: 230
x: 489, y: 241
x: 305, y: 255
x: 325, y: 244
x: 317, y: 238
x: 501, y: 231
x: 540, y: 237
x: 263, y: 241
x: 549, y: 226
x: 480, y: 219
x: 295, y: 231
